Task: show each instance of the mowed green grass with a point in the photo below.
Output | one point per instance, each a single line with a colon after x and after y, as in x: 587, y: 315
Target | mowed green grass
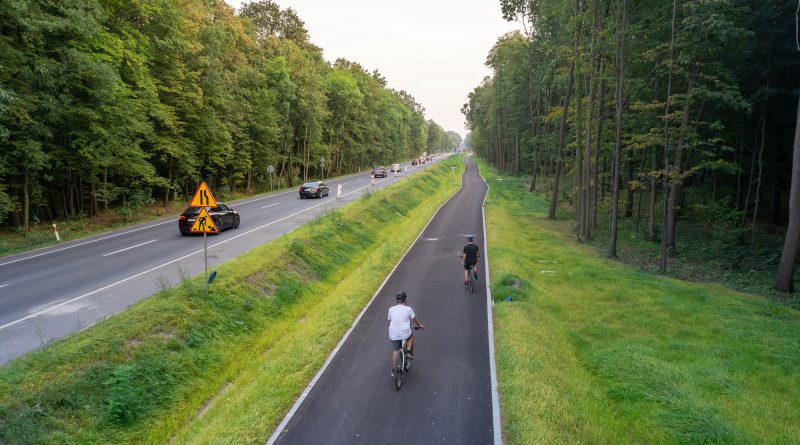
x: 592, y: 351
x: 182, y: 367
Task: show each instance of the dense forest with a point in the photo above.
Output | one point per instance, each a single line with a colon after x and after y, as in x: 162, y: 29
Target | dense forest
x: 122, y: 102
x: 654, y: 110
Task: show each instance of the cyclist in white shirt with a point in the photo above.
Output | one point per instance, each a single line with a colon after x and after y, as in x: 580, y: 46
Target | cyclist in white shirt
x: 400, y: 318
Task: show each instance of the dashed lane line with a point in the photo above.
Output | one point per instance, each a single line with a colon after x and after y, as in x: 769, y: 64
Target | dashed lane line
x: 87, y: 242
x: 131, y: 247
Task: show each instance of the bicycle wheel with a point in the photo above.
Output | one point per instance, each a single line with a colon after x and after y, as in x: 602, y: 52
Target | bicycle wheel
x: 398, y: 371
x: 471, y: 280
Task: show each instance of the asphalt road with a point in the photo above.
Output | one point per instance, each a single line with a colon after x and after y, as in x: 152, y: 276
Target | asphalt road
x: 49, y: 293
x: 447, y: 395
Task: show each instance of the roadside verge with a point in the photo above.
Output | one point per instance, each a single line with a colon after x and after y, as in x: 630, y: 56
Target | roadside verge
x: 592, y: 351
x: 222, y: 368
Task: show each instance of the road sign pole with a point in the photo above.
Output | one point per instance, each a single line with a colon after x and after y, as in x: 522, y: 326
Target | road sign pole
x: 270, y: 170
x: 205, y: 255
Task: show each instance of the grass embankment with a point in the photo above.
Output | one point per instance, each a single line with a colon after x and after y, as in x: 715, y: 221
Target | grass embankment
x: 593, y: 351
x: 186, y: 368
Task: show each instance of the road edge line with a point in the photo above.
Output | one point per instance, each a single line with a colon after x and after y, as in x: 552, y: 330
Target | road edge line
x: 498, y: 433
x: 293, y: 410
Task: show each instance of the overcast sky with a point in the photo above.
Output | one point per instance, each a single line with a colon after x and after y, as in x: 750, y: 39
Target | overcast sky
x: 434, y: 49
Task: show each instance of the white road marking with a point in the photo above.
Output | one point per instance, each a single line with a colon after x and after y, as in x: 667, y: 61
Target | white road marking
x: 498, y: 431
x: 80, y: 297
x: 3, y: 285
x: 88, y: 242
x: 270, y: 205
x: 129, y: 248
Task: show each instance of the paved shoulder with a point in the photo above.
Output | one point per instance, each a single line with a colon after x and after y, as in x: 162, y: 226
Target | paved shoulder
x: 446, y: 398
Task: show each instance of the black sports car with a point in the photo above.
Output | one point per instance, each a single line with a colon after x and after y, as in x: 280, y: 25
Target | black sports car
x: 223, y: 216
x: 316, y: 189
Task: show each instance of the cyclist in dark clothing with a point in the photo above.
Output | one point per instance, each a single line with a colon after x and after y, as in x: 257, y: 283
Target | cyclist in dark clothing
x: 469, y: 257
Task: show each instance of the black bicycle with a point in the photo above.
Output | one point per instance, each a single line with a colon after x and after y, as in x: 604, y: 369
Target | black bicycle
x: 402, y: 364
x: 472, y: 276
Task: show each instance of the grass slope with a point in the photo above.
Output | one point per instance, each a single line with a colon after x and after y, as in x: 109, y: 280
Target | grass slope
x: 593, y: 351
x: 186, y: 368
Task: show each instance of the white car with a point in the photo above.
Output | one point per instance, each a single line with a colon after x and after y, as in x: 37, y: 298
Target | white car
x: 395, y: 167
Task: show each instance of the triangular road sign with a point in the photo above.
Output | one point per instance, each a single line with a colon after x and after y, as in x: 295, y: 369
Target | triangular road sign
x: 204, y: 223
x: 203, y: 197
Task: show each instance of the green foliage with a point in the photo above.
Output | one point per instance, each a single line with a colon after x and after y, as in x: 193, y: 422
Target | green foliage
x: 100, y: 99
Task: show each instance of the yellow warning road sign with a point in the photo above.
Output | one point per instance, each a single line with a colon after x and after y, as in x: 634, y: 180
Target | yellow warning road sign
x: 204, y: 223
x: 203, y: 197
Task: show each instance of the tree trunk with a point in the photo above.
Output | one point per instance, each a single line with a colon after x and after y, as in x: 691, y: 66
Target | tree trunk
x: 785, y: 277
x: 749, y: 187
x: 598, y: 183
x: 651, y: 211
x: 663, y: 262
x: 578, y: 171
x: 26, y: 201
x: 587, y: 175
x: 516, y: 151
x: 307, y: 157
x: 249, y: 179
x: 531, y: 114
x: 562, y: 132
x: 672, y: 210
x: 612, y: 249
x: 628, y: 189
x: 758, y: 182
x: 641, y: 191
x: 167, y: 187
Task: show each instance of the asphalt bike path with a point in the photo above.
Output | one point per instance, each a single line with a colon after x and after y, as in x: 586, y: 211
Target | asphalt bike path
x: 447, y: 395
x: 51, y: 292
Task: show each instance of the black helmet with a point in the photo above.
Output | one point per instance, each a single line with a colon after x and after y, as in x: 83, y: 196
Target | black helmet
x: 470, y: 237
x: 400, y: 296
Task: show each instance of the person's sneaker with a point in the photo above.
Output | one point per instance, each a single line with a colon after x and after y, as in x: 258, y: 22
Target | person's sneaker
x: 475, y: 274
x: 392, y: 372
x: 408, y: 354
x: 466, y: 283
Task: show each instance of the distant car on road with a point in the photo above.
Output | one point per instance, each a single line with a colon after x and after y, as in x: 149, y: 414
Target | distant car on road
x: 379, y: 172
x: 395, y: 167
x: 313, y: 189
x: 223, y: 216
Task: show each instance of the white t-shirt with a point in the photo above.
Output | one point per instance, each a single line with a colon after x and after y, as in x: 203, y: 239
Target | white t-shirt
x: 400, y: 322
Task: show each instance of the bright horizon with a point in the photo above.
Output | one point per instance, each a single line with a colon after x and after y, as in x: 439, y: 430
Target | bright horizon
x: 435, y: 50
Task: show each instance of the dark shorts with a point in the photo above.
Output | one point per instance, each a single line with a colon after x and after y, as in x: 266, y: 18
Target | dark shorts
x: 398, y: 344
x: 468, y: 264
